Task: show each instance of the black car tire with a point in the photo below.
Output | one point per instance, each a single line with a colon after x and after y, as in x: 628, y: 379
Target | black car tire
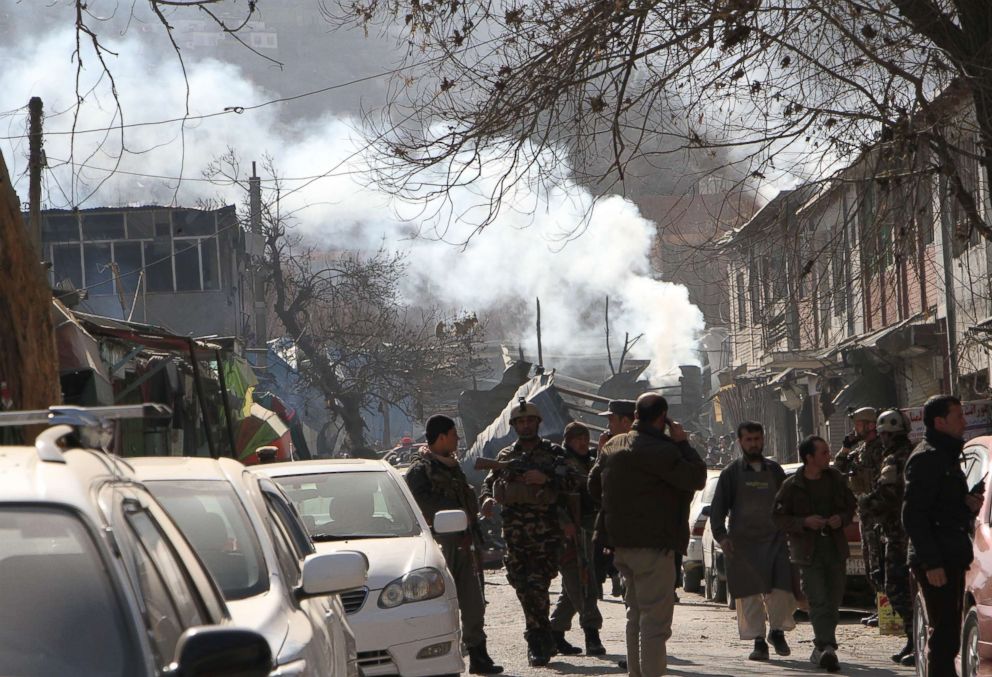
x: 920, y: 634
x: 720, y: 590
x: 692, y: 580
x: 970, y: 660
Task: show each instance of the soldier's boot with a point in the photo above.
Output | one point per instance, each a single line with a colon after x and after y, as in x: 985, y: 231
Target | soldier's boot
x: 537, y: 653
x: 479, y: 662
x: 905, y: 651
x: 594, y: 647
x: 562, y: 645
x: 550, y: 645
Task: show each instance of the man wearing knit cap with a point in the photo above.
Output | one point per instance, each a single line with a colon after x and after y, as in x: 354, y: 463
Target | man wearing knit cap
x: 579, y: 590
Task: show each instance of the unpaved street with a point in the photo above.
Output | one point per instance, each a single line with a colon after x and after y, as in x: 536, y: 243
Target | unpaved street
x: 704, y: 642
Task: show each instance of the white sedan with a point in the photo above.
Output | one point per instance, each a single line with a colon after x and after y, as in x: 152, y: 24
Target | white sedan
x: 406, y: 619
x: 245, y: 533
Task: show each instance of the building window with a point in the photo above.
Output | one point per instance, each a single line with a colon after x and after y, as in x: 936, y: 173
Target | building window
x: 135, y: 241
x: 67, y: 264
x: 103, y: 226
x: 158, y: 266
x: 60, y: 228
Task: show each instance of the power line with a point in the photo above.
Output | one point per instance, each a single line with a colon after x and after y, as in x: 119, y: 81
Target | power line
x: 230, y: 110
x: 109, y: 170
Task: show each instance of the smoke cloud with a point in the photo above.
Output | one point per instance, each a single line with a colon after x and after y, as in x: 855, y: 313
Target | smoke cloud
x: 525, y: 254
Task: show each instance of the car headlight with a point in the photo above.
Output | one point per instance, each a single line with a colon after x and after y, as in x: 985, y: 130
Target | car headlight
x: 415, y: 586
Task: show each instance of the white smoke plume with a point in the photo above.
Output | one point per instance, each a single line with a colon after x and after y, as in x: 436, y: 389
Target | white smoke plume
x: 524, y: 255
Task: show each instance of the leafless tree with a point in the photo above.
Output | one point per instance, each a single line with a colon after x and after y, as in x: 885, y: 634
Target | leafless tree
x: 787, y: 88
x: 358, y: 342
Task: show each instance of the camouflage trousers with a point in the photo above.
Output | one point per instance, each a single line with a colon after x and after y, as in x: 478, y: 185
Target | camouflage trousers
x: 580, y: 593
x: 533, y: 547
x: 873, y: 553
x: 897, y: 586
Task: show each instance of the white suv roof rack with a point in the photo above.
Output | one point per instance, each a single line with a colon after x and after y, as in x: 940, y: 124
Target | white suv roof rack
x: 93, y: 424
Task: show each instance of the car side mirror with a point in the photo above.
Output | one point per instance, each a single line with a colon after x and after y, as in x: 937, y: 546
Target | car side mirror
x: 326, y: 574
x: 450, y: 521
x: 705, y: 512
x: 211, y: 651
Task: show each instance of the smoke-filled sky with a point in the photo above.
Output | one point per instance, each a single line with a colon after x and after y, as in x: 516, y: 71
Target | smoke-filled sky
x: 523, y: 255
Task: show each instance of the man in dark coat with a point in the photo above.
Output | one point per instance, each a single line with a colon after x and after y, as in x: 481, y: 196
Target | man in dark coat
x: 437, y: 483
x: 938, y: 513
x: 641, y: 479
x: 755, y: 550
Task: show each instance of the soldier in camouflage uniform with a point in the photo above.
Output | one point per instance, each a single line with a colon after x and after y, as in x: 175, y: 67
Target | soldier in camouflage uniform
x: 528, y: 492
x: 579, y: 589
x: 437, y: 483
x: 884, y: 505
x: 861, y: 460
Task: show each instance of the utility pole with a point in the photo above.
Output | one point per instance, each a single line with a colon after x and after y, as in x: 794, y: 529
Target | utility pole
x: 36, y: 160
x: 256, y: 274
x: 540, y: 349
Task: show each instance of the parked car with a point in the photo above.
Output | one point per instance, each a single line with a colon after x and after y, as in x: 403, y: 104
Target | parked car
x: 699, y: 511
x: 406, y: 620
x: 98, y: 580
x: 247, y: 533
x: 975, y: 657
x: 715, y: 574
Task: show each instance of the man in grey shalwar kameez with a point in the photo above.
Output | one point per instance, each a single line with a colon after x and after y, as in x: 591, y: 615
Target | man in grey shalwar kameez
x: 755, y: 550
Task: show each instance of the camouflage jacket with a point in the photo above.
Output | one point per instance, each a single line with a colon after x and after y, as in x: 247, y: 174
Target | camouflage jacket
x: 580, y: 467
x: 507, y: 487
x: 861, y: 465
x: 437, y: 486
x: 883, y: 504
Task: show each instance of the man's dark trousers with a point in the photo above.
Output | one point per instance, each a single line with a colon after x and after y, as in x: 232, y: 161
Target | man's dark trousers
x: 944, y: 620
x: 471, y: 603
x: 823, y: 581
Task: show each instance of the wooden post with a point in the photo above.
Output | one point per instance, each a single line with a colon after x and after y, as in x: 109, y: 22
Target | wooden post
x: 35, y: 163
x: 540, y: 349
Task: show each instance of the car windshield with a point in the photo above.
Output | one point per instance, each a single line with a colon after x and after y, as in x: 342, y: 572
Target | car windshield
x: 56, y: 593
x: 217, y: 526
x: 337, y: 506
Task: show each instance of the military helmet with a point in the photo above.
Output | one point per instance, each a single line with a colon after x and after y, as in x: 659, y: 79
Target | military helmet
x: 892, y: 421
x: 524, y: 408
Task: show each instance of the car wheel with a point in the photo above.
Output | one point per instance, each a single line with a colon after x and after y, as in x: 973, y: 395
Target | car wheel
x: 692, y: 580
x: 731, y: 602
x: 920, y: 634
x: 969, y: 645
x: 720, y: 590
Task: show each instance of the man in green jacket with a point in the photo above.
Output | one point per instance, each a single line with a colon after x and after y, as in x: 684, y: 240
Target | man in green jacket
x: 813, y: 507
x: 641, y: 479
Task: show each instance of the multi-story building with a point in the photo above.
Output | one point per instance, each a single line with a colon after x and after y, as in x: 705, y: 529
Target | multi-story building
x: 867, y: 289
x: 183, y: 269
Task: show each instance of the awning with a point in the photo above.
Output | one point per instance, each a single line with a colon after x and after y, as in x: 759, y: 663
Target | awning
x: 867, y: 390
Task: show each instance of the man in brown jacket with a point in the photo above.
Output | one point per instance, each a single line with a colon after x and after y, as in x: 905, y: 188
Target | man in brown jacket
x: 813, y: 507
x: 641, y: 479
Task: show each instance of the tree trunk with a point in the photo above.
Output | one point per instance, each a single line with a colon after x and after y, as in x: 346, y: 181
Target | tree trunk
x: 354, y: 426
x: 28, y: 358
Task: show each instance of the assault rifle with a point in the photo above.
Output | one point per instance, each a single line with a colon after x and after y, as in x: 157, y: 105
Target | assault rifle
x: 518, y: 466
x: 577, y: 542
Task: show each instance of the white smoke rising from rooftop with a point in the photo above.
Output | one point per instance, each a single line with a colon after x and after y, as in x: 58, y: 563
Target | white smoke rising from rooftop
x: 519, y: 257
